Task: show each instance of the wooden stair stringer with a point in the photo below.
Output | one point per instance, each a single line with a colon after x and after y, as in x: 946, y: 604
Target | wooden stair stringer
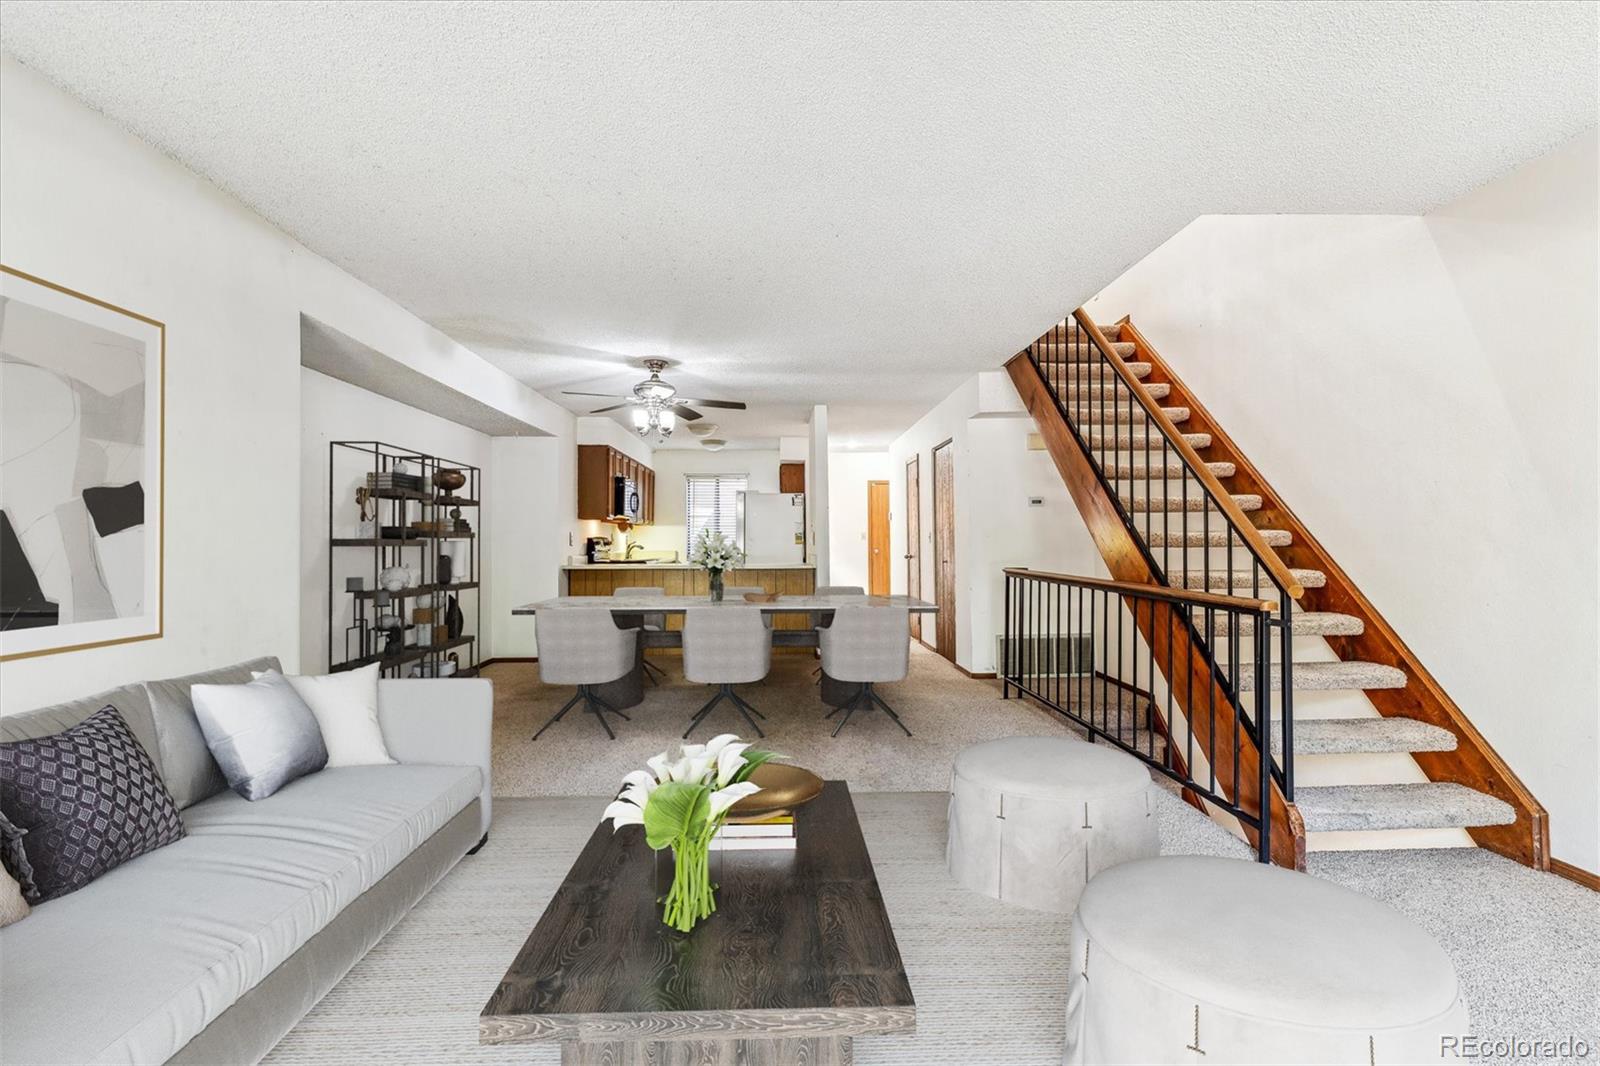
x: 1473, y: 762
x: 1126, y: 561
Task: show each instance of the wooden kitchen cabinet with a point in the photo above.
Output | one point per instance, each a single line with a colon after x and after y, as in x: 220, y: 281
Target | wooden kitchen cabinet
x: 791, y: 477
x: 597, y: 465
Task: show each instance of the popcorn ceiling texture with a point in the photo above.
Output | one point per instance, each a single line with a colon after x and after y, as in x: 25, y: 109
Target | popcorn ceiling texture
x: 855, y: 205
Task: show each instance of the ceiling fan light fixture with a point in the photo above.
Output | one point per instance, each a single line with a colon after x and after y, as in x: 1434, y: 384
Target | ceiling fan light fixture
x: 641, y: 420
x: 713, y: 444
x: 669, y: 421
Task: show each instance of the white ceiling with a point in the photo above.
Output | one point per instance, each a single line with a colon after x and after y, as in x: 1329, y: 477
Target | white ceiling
x: 850, y: 204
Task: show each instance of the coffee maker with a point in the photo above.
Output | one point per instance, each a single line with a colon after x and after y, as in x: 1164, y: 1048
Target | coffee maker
x: 594, y: 547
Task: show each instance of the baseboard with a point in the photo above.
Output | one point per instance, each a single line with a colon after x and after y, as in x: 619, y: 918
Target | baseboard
x: 1575, y: 873
x: 508, y: 659
x: 989, y: 676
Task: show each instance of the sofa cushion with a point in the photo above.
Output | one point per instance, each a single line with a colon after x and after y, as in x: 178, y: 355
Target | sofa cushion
x: 131, y: 702
x: 186, y: 763
x: 164, y: 944
x: 89, y: 799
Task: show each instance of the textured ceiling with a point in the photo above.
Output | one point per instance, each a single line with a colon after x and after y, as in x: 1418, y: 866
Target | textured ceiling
x: 846, y: 204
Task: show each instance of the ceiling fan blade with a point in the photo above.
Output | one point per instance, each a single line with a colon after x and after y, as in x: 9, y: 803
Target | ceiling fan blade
x: 602, y: 395
x: 613, y: 407
x: 689, y: 414
x: 731, y: 405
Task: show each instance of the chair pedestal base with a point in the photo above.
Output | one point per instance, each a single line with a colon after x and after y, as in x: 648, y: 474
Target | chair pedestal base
x: 593, y: 703
x: 866, y: 698
x: 725, y: 692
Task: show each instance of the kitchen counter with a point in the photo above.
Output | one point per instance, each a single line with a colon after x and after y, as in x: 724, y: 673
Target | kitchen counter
x: 684, y: 566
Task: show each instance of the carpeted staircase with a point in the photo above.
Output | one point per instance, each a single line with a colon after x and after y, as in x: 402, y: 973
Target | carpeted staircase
x: 1105, y: 419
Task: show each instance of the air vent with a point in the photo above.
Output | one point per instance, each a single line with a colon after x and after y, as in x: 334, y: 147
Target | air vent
x: 1066, y: 655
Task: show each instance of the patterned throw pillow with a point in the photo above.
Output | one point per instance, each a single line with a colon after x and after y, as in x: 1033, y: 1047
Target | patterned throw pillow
x: 89, y: 799
x: 13, y: 857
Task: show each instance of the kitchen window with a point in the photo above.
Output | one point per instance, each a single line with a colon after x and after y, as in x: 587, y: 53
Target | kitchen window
x: 711, y: 501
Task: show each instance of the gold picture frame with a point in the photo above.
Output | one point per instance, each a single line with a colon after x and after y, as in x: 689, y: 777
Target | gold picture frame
x: 52, y: 326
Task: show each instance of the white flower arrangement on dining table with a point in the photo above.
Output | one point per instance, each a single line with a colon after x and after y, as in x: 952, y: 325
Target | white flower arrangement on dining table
x: 716, y: 552
x: 681, y: 803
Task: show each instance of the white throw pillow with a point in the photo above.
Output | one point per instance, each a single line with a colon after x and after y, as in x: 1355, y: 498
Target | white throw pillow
x: 346, y: 707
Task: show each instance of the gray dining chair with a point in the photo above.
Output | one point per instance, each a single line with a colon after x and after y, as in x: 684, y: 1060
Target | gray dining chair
x: 819, y: 619
x: 866, y: 646
x: 651, y: 622
x: 726, y: 646
x: 582, y: 646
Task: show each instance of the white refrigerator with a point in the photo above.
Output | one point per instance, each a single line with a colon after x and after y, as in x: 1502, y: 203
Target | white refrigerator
x: 772, y: 527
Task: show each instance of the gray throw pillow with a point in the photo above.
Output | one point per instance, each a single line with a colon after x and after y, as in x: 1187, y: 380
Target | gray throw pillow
x: 262, y: 734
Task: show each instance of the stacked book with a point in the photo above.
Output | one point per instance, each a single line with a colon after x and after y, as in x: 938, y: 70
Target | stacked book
x: 769, y: 834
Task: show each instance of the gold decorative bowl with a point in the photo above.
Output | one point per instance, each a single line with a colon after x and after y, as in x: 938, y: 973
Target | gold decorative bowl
x: 761, y: 597
x: 783, y: 788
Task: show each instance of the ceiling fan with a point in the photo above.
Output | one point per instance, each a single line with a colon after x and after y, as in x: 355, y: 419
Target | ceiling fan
x: 656, y: 404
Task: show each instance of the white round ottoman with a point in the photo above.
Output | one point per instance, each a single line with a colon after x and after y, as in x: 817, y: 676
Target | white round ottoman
x: 1033, y: 818
x: 1202, y: 960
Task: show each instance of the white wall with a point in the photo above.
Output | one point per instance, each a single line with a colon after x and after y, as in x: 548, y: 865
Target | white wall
x: 534, y: 529
x: 1422, y: 391
x: 668, y: 532
x: 848, y: 474
x: 88, y: 206
x: 333, y: 410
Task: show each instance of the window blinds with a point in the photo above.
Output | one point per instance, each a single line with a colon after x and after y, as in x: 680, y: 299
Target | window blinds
x: 711, y: 502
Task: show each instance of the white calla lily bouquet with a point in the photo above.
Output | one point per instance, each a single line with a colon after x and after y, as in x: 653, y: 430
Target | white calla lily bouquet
x: 682, y: 802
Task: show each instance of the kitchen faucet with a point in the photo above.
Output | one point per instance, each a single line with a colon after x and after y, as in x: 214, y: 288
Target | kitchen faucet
x: 629, y: 553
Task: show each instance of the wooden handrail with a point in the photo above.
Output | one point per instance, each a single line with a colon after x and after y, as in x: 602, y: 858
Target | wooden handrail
x: 1166, y: 593
x: 1248, y: 534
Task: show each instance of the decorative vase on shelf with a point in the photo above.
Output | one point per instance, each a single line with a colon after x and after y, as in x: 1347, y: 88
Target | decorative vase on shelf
x: 446, y: 568
x: 454, y: 621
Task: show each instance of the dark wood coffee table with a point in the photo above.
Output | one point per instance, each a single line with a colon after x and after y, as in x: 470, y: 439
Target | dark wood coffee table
x: 798, y: 959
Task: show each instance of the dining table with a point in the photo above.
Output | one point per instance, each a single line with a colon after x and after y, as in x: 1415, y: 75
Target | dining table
x: 628, y: 609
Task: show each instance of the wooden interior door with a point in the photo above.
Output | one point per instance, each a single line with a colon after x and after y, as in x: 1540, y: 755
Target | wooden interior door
x: 944, y: 549
x: 914, y: 537
x: 878, y: 538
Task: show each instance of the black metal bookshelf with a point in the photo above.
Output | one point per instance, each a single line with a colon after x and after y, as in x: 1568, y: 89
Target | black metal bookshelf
x: 391, y: 522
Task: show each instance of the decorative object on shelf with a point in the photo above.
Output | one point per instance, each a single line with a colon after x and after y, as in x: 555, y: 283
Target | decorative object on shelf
x: 422, y: 615
x: 448, y: 480
x: 454, y: 621
x: 81, y: 498
x: 783, y: 788
x: 445, y: 571
x: 398, y: 533
x: 715, y: 553
x: 395, y: 578
x: 761, y: 597
x: 681, y: 804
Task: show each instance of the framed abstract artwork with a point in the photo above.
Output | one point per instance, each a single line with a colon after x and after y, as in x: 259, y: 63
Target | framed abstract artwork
x: 82, y: 386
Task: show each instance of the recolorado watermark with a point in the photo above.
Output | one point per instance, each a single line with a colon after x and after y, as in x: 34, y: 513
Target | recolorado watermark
x: 1469, y: 1046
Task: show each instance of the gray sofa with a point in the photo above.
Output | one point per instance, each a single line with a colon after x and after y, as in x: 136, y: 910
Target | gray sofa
x: 209, y: 950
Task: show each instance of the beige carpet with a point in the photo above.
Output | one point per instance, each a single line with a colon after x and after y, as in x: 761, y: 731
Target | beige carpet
x: 944, y: 709
x: 989, y: 979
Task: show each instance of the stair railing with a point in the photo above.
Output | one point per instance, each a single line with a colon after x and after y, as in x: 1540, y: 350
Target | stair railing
x: 1117, y: 658
x: 1132, y: 444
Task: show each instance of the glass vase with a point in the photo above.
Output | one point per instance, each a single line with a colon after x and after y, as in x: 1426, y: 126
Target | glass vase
x: 691, y: 897
x: 716, y: 586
